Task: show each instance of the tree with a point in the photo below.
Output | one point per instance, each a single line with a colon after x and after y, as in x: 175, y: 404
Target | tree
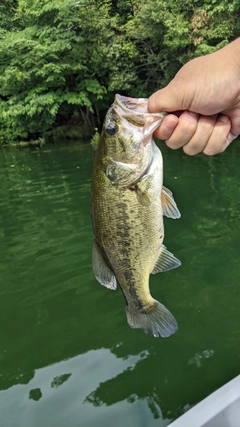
x: 61, y: 61
x: 60, y: 65
x: 168, y: 34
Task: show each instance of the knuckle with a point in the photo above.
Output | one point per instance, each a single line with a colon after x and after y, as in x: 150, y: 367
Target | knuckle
x: 172, y: 144
x: 189, y: 121
x: 212, y: 151
x: 190, y: 151
x: 188, y: 126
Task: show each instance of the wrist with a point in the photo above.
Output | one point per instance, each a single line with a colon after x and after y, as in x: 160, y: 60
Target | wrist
x: 232, y: 50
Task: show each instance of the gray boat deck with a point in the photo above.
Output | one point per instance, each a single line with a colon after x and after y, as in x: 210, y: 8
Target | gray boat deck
x: 220, y: 409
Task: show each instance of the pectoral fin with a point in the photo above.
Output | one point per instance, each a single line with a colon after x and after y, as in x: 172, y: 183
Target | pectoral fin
x: 102, y: 272
x: 141, y: 189
x: 169, y: 206
x: 166, y: 261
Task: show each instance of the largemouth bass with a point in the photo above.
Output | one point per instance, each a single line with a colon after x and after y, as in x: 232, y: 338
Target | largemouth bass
x: 128, y: 202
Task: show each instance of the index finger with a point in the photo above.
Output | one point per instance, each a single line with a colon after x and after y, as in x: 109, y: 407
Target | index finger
x: 165, y: 130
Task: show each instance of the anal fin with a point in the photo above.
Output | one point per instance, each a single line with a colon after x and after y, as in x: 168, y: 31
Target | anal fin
x: 166, y: 261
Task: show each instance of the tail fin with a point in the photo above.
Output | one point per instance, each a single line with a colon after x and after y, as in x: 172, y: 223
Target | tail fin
x: 156, y: 320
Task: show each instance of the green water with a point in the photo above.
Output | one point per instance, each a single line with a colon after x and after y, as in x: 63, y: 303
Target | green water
x: 67, y: 355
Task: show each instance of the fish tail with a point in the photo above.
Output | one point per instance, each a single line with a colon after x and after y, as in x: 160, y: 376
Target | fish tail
x: 155, y: 320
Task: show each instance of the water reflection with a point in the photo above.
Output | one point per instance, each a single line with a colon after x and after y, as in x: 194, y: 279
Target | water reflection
x: 87, y: 371
x: 160, y: 392
x: 99, y: 379
x: 35, y: 394
x: 198, y: 358
x: 57, y: 381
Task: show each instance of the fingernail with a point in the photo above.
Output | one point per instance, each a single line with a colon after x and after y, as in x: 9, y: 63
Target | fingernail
x: 169, y: 127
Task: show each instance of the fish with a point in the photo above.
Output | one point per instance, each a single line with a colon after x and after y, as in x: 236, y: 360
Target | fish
x: 128, y: 201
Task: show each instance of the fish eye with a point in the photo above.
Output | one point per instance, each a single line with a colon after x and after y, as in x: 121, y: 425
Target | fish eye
x: 111, y: 129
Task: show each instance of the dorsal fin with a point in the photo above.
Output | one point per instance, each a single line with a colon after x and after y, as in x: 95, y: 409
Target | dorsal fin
x: 102, y: 272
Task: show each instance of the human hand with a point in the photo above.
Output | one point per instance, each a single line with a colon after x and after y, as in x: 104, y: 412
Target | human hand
x: 205, y: 99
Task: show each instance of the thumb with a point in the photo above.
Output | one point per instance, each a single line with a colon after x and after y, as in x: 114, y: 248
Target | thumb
x: 169, y: 99
x: 235, y: 128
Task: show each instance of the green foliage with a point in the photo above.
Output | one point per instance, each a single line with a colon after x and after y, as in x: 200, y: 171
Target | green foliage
x: 168, y: 34
x: 62, y: 61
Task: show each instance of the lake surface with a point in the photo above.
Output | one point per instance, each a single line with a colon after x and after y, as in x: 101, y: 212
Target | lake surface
x: 67, y: 355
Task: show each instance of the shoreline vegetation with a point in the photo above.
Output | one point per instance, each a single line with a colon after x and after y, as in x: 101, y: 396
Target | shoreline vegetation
x: 62, y: 61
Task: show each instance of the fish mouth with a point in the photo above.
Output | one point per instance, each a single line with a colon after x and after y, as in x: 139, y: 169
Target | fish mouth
x: 135, y: 111
x: 136, y: 106
x: 129, y: 104
x: 136, y: 127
